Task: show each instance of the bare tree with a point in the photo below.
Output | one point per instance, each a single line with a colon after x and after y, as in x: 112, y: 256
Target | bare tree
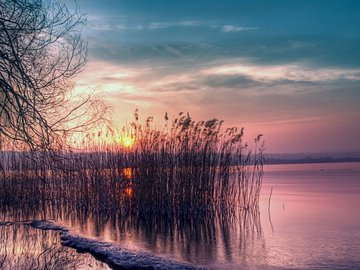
x: 41, y: 51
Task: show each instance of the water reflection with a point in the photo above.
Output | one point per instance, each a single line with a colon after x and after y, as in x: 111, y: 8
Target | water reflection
x: 23, y: 247
x: 314, y: 214
x: 103, y: 206
x: 214, y: 238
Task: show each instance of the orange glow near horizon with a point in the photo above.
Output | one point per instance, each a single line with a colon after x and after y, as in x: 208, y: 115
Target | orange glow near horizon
x: 102, y: 138
x: 128, y: 141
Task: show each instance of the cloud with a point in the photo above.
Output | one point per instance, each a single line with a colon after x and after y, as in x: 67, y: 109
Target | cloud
x: 234, y: 28
x: 125, y: 24
x: 162, y: 25
x: 159, y: 25
x: 116, y: 26
x: 231, y: 81
x: 229, y: 75
x: 283, y: 72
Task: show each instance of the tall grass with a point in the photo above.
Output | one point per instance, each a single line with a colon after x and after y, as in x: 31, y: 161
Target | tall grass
x: 182, y: 167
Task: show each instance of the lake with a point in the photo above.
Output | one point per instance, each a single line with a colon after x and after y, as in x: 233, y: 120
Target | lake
x: 310, y: 221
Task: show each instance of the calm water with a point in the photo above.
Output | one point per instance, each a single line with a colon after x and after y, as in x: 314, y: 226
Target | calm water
x: 24, y: 247
x: 312, y: 222
x: 315, y: 216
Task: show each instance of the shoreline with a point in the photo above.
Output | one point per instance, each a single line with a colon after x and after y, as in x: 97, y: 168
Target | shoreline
x: 113, y: 255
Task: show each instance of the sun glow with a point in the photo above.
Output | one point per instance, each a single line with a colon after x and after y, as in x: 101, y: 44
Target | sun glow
x: 127, y: 141
x: 104, y: 138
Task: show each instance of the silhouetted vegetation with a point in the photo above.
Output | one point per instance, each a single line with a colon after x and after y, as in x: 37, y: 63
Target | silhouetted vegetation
x: 188, y: 166
x: 41, y: 52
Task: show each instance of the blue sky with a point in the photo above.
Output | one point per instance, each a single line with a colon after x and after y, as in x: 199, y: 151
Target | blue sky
x: 288, y: 69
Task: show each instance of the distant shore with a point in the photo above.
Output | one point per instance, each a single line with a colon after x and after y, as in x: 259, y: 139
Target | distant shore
x: 272, y: 160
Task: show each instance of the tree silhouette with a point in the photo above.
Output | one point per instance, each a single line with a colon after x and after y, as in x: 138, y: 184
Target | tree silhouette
x: 41, y: 51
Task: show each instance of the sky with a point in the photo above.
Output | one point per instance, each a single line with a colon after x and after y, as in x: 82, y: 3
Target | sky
x: 287, y: 69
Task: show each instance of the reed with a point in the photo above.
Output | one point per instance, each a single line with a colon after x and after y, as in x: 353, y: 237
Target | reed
x: 182, y: 167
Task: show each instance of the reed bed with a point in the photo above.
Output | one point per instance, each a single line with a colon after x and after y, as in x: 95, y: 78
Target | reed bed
x: 182, y: 167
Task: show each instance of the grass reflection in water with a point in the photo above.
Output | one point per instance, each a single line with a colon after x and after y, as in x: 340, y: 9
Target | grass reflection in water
x: 24, y: 247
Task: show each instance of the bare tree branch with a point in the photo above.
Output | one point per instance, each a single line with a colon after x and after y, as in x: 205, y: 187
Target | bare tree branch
x: 41, y: 52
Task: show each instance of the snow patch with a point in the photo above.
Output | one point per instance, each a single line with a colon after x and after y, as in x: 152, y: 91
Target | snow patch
x: 115, y: 256
x: 120, y: 258
x: 6, y: 223
x: 47, y: 225
x: 37, y: 224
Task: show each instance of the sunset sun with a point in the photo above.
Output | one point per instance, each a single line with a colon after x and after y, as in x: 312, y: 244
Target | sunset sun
x: 127, y: 141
